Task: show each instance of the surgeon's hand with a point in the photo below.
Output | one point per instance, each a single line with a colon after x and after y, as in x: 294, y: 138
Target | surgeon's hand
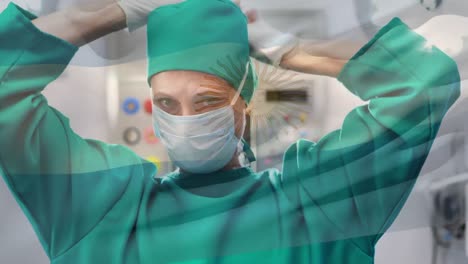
x: 446, y: 32
x: 265, y: 40
x: 449, y: 33
x: 137, y: 11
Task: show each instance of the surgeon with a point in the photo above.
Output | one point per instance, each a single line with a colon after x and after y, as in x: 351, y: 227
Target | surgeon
x: 92, y: 202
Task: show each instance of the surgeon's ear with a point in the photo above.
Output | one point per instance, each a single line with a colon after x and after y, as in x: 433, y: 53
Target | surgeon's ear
x: 248, y: 110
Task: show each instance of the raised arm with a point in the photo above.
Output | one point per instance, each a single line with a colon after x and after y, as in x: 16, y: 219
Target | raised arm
x: 65, y: 184
x: 361, y: 175
x: 301, y: 60
x: 83, y: 24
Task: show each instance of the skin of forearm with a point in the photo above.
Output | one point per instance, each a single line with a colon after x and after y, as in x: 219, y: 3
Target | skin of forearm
x: 80, y: 25
x: 301, y: 60
x: 339, y: 48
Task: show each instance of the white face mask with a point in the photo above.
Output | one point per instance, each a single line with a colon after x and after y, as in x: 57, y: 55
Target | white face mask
x: 201, y: 143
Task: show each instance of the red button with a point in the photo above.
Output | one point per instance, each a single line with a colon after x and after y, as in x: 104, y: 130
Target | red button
x: 148, y: 105
x: 150, y: 137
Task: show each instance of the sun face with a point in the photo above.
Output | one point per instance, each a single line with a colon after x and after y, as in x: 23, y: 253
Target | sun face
x: 276, y: 105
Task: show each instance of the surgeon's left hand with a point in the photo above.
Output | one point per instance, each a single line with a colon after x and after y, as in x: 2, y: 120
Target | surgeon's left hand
x: 137, y: 11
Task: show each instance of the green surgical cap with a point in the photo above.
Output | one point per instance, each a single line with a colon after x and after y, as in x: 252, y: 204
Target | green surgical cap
x: 207, y: 36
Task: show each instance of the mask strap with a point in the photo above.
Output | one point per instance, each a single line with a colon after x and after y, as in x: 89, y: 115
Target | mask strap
x: 241, y: 86
x: 249, y: 155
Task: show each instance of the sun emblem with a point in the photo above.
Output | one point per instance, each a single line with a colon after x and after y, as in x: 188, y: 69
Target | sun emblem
x: 278, y: 103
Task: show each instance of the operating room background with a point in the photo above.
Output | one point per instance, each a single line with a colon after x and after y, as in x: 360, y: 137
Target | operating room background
x: 104, y: 94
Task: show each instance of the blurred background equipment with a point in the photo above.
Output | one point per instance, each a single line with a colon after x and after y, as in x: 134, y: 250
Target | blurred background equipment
x: 449, y: 215
x: 287, y: 106
x: 129, y: 108
x: 431, y: 4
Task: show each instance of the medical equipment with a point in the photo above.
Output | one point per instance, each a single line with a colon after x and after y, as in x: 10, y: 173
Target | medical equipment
x: 129, y: 114
x: 287, y: 106
x: 449, y: 214
x: 431, y: 4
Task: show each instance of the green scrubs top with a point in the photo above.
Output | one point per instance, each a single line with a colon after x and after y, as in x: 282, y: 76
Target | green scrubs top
x: 92, y: 202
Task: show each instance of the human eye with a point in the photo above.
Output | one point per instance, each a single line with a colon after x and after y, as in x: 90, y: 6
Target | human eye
x: 167, y: 104
x: 209, y: 102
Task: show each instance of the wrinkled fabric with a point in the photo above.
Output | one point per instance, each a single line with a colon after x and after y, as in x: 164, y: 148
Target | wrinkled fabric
x: 92, y: 202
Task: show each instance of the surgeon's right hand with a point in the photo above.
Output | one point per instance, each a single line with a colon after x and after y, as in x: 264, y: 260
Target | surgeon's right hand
x: 446, y: 32
x: 449, y: 33
x: 137, y: 11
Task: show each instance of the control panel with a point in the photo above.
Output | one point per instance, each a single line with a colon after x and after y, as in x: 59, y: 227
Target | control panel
x: 129, y: 109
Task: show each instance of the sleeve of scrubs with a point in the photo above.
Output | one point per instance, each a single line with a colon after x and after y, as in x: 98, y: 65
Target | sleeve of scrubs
x: 64, y: 183
x: 360, y: 176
